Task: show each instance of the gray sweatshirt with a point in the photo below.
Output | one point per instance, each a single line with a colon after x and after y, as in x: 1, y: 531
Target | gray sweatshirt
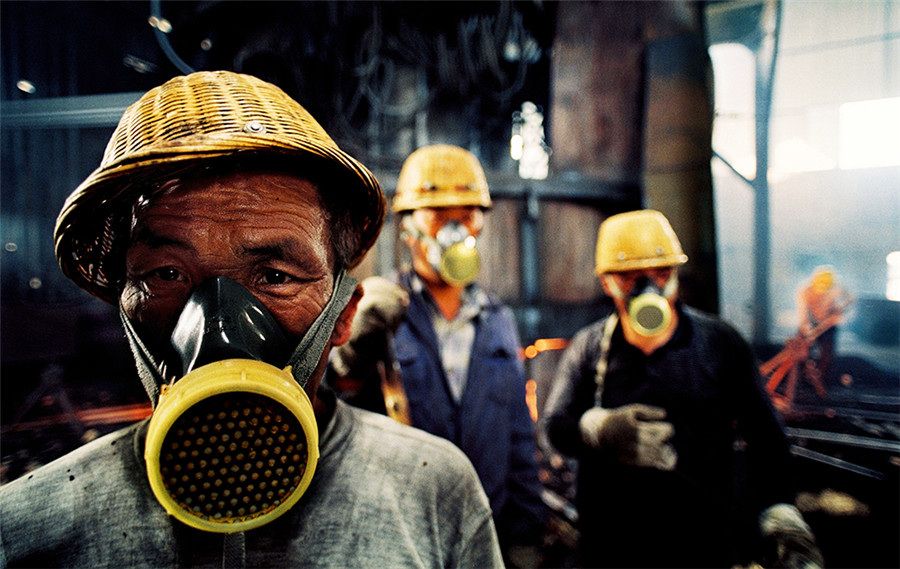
x: 383, y: 495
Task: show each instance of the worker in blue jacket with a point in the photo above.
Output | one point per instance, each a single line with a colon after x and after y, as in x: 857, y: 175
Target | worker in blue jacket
x: 456, y: 346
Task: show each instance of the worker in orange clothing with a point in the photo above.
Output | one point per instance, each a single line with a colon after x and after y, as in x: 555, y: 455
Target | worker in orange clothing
x: 821, y: 303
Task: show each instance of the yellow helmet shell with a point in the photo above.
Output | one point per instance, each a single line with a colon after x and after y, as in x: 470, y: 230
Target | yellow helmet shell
x: 186, y: 122
x: 823, y: 277
x: 441, y: 175
x: 635, y: 240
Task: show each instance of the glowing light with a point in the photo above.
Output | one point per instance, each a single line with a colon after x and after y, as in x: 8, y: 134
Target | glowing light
x: 527, y: 144
x: 26, y: 86
x: 531, y: 398
x: 515, y: 146
x: 544, y: 345
x: 160, y: 24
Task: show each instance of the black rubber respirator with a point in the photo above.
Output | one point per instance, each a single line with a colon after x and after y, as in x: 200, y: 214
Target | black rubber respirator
x: 232, y: 443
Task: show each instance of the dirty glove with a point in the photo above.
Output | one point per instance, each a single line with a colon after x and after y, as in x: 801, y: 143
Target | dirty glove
x: 378, y: 314
x: 523, y: 557
x: 634, y: 434
x: 788, y: 540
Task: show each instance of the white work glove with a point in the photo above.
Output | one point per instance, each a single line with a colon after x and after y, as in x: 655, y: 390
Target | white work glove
x: 634, y: 434
x: 378, y: 314
x: 789, y: 541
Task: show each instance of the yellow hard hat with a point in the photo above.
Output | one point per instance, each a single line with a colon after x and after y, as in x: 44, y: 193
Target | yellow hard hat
x: 823, y: 277
x: 633, y: 240
x: 189, y: 121
x: 441, y: 175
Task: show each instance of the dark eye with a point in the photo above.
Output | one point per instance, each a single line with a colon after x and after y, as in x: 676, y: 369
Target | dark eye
x: 275, y: 277
x: 166, y: 274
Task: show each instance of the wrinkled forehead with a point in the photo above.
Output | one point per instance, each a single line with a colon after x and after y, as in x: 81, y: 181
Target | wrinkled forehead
x: 237, y: 190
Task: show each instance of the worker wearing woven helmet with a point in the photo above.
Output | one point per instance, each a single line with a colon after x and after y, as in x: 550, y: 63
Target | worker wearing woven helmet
x: 682, y: 461
x: 457, y: 346
x: 221, y: 222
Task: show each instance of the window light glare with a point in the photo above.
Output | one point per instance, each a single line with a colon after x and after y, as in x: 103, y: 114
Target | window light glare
x: 869, y: 134
x: 893, y: 277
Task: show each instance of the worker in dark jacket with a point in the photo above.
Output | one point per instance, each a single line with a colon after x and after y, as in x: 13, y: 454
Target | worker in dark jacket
x: 457, y: 347
x: 682, y: 461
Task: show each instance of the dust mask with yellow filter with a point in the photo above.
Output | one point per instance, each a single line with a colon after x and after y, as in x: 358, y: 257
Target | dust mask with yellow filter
x: 649, y: 307
x: 451, y: 253
x: 232, y: 443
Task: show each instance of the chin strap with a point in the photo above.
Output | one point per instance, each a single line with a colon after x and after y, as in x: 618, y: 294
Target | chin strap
x: 306, y: 357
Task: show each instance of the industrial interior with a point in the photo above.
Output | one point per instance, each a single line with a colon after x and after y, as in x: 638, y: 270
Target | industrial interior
x: 765, y: 130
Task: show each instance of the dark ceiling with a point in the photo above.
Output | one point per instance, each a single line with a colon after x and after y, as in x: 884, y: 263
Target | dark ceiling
x: 366, y: 70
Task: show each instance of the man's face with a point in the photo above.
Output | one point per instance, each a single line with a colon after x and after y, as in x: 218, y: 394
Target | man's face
x: 626, y: 280
x: 430, y: 220
x: 266, y: 230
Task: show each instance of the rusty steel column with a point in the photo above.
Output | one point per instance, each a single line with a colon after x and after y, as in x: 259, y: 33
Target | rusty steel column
x: 631, y: 103
x: 678, y: 146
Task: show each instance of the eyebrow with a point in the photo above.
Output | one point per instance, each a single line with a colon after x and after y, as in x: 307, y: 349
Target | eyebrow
x: 276, y: 250
x: 286, y: 250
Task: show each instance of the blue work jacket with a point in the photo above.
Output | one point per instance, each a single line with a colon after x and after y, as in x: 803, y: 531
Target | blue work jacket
x: 491, y: 423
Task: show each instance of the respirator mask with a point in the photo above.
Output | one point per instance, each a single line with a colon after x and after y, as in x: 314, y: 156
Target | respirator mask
x: 451, y: 253
x: 648, y: 305
x: 232, y: 443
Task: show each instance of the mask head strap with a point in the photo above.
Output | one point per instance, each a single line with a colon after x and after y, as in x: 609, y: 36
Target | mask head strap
x: 409, y: 227
x: 149, y: 370
x: 308, y: 353
x: 614, y: 288
x: 671, y: 285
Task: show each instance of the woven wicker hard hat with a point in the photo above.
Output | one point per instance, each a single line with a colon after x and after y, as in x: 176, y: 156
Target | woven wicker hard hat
x: 441, y: 175
x: 634, y: 240
x: 189, y: 121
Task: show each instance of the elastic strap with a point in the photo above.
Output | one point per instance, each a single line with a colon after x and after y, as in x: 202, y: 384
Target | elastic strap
x: 147, y: 367
x: 308, y: 353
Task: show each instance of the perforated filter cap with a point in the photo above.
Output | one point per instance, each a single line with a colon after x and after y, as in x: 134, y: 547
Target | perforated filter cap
x: 231, y: 446
x: 190, y: 120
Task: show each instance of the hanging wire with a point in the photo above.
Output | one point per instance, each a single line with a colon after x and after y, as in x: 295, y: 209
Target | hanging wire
x: 163, y: 39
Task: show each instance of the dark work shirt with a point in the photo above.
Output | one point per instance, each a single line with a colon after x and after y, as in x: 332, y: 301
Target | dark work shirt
x: 733, y: 458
